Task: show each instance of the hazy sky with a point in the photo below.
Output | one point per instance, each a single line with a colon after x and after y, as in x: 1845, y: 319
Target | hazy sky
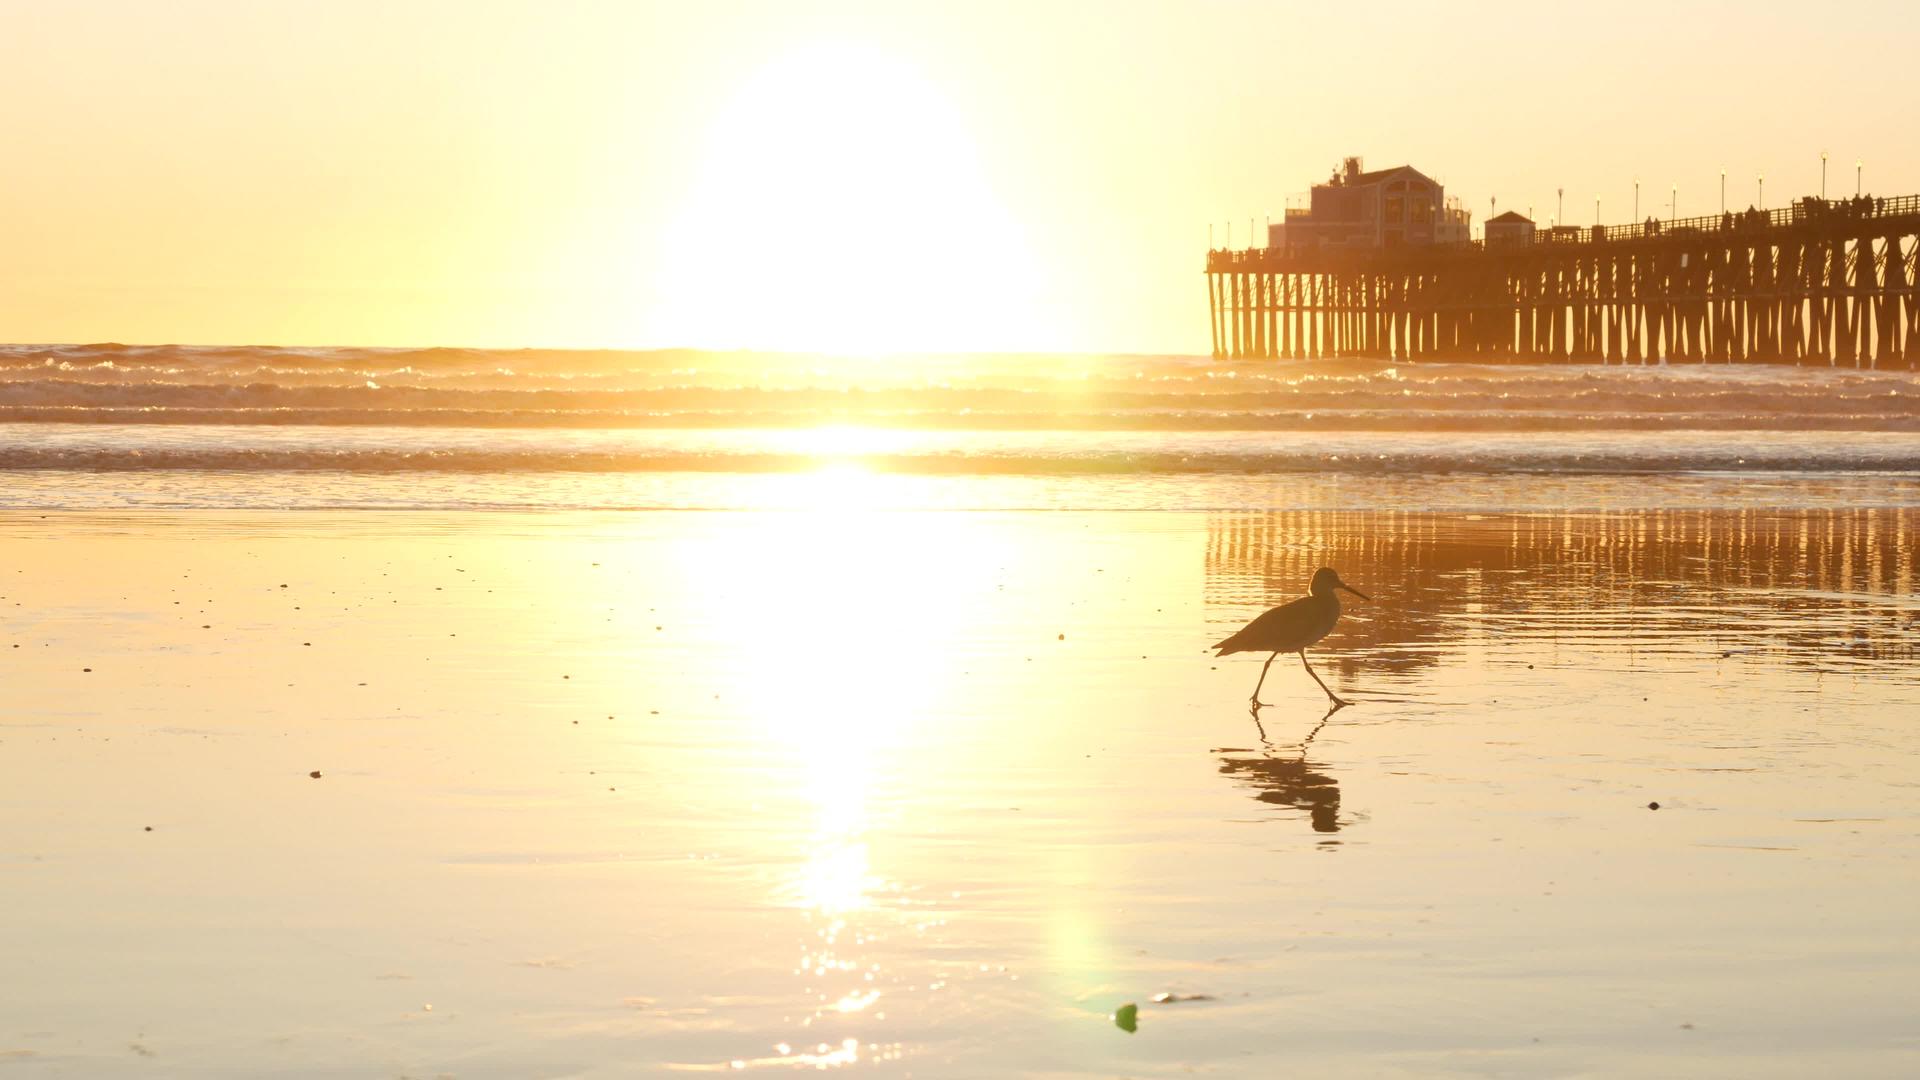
x: 842, y: 175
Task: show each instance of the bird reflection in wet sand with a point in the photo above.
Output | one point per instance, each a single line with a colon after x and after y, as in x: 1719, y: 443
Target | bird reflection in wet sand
x: 1290, y: 782
x: 1292, y: 627
x: 1289, y: 779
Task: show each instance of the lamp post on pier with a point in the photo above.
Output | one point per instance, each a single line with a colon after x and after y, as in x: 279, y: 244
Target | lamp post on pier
x: 1856, y: 177
x: 1636, y: 200
x: 1673, y: 207
x: 1560, y: 205
x: 1761, y: 179
x: 1823, y: 176
x: 1723, y: 190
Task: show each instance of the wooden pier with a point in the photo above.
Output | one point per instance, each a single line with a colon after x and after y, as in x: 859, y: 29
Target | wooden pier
x: 1823, y: 282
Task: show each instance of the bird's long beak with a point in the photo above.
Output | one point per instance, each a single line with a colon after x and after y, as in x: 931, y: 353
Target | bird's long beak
x: 1356, y: 592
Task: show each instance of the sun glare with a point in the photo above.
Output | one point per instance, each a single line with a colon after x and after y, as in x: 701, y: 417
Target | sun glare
x: 841, y: 207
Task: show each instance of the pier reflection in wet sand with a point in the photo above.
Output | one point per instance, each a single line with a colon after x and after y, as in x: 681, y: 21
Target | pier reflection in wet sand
x: 1822, y: 588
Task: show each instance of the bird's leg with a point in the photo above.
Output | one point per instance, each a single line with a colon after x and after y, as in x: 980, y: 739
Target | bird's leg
x: 1331, y: 696
x: 1254, y: 697
x: 1262, y: 728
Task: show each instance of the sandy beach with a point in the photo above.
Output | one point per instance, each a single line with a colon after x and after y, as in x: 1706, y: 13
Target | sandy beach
x: 634, y: 794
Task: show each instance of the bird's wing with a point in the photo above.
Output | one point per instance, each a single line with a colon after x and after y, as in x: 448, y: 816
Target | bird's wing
x: 1268, y: 632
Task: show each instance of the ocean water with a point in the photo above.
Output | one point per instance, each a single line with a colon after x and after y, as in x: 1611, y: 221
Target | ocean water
x: 103, y: 426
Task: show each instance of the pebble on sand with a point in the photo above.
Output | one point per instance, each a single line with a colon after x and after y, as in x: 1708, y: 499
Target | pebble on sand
x: 1653, y: 806
x: 315, y: 774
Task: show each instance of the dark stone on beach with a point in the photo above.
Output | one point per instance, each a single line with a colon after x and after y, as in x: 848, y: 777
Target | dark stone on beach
x: 315, y: 774
x: 1653, y: 806
x: 149, y: 828
x: 86, y: 669
x: 1127, y: 1018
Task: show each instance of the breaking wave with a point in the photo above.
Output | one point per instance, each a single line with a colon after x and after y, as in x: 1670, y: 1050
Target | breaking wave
x: 117, y: 425
x: 118, y: 384
x: 105, y: 448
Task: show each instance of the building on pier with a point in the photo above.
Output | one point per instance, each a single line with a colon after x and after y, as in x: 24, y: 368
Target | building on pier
x: 1383, y: 208
x: 1511, y: 227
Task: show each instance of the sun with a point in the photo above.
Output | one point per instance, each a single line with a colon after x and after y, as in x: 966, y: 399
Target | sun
x: 841, y: 207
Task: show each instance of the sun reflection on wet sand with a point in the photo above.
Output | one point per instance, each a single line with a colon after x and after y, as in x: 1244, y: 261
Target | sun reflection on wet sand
x: 839, y: 692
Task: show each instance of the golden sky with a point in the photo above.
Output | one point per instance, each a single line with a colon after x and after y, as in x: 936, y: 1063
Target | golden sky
x: 848, y: 175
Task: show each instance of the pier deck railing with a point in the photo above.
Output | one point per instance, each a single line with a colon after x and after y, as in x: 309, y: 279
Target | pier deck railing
x: 1815, y: 212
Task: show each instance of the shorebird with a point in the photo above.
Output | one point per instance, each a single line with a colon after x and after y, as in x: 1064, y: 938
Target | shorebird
x: 1292, y: 627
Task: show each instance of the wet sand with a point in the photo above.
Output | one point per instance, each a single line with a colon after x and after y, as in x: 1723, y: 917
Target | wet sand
x: 934, y: 794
